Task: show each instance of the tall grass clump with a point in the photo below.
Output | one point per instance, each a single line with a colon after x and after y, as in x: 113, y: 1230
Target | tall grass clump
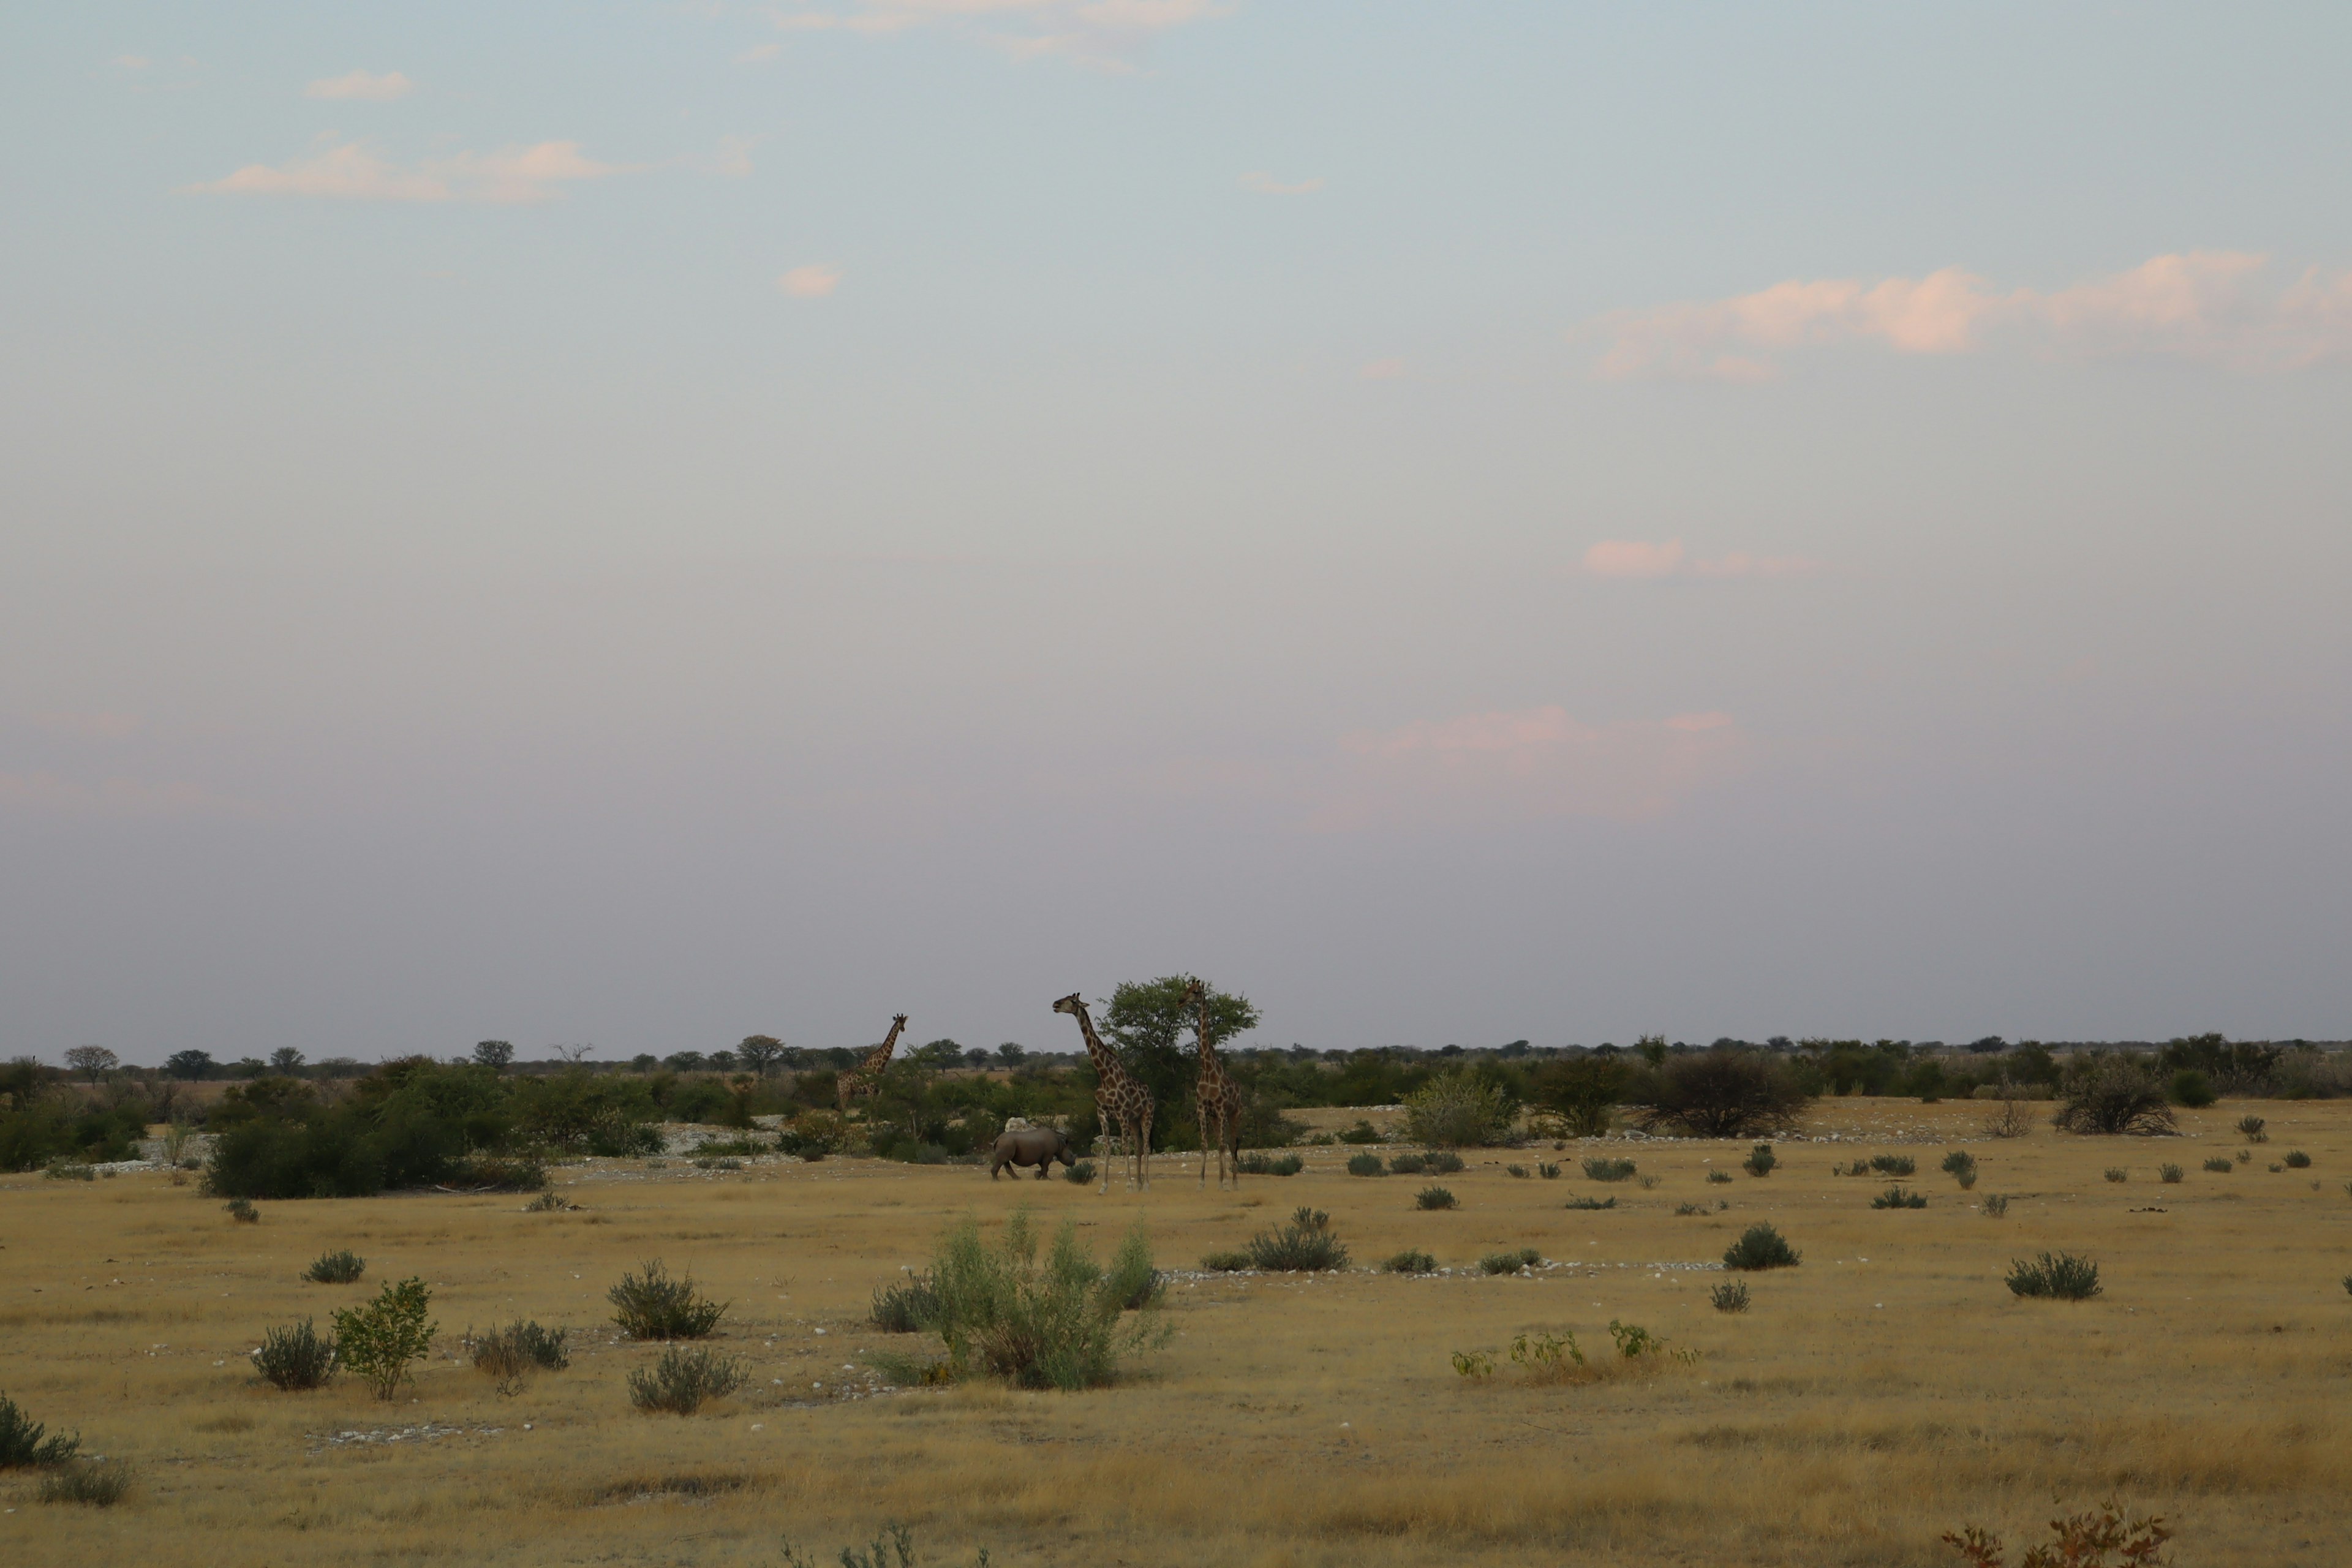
x: 1409, y: 1164
x: 2250, y: 1128
x: 1435, y: 1198
x: 550, y: 1201
x: 684, y: 1380
x: 335, y: 1268
x: 1892, y: 1165
x: 294, y: 1358
x: 2060, y: 1277
x: 1761, y: 1247
x: 25, y: 1441
x: 379, y: 1340
x: 2117, y: 1173
x: 1304, y: 1246
x: 2220, y: 1165
x: 1602, y: 1169
x: 909, y: 1307
x: 1731, y: 1296
x: 1761, y: 1161
x: 1366, y: 1165
x: 1718, y: 1178
x: 518, y: 1349
x: 1441, y: 1161
x: 1547, y: 1170
x: 1590, y: 1203
x: 1961, y: 1166
x: 1899, y: 1197
x: 652, y: 1306
x: 2296, y: 1160
x: 1132, y: 1278
x: 1509, y: 1262
x: 1258, y: 1162
x: 2168, y: 1173
x: 1080, y: 1175
x: 1049, y: 1321
x: 99, y: 1483
x: 1413, y: 1261
x: 1996, y: 1204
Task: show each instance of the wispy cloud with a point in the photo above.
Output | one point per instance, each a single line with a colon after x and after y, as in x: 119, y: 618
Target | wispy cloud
x: 1106, y: 35
x: 51, y: 794
x: 734, y: 156
x: 1265, y: 184
x: 2204, y: 306
x: 363, y: 85
x: 1640, y: 558
x: 1382, y: 370
x: 350, y: 172
x: 811, y: 282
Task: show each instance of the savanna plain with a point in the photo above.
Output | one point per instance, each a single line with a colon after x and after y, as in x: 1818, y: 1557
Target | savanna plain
x: 1888, y: 1389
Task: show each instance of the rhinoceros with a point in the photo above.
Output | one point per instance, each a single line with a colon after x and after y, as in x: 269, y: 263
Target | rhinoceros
x: 1038, y: 1146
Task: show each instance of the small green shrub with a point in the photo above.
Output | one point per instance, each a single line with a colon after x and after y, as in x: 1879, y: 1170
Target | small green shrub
x: 1761, y: 1247
x: 1718, y: 1178
x: 1257, y: 1162
x: 879, y: 1553
x: 2347, y: 1284
x: 684, y: 1380
x: 1996, y: 1204
x: 335, y: 1268
x: 1409, y: 1164
x: 1442, y: 1161
x: 2296, y: 1160
x: 2117, y: 1173
x: 1054, y: 1322
x: 1761, y: 1161
x: 1435, y: 1198
x: 1363, y: 1131
x: 550, y: 1201
x: 652, y: 1306
x: 2061, y: 1276
x: 2245, y: 1156
x: 1961, y: 1166
x: 2219, y: 1166
x: 1602, y: 1169
x: 2168, y: 1173
x: 907, y: 1307
x: 1731, y: 1296
x: 1225, y: 1262
x: 1519, y: 1171
x: 2190, y: 1088
x: 1474, y: 1365
x: 1683, y: 1210
x: 1893, y: 1166
x: 65, y: 1170
x: 2078, y: 1541
x: 23, y: 1441
x: 1898, y: 1197
x: 512, y: 1353
x: 1548, y: 1172
x: 1633, y: 1341
x: 1459, y: 1107
x: 295, y: 1357
x: 1304, y: 1246
x: 1132, y: 1281
x: 1080, y: 1175
x: 95, y: 1483
x: 1591, y: 1203
x: 378, y: 1341
x: 1366, y: 1165
x: 2251, y: 1127
x: 242, y: 1211
x: 1412, y: 1261
x: 1509, y: 1262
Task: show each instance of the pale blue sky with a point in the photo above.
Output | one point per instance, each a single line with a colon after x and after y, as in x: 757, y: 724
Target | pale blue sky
x: 1466, y: 521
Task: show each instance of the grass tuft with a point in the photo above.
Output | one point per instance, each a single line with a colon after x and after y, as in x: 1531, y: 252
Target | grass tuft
x: 94, y: 1483
x: 1413, y: 1261
x: 1731, y: 1296
x: 335, y: 1268
x: 1366, y: 1165
x: 1591, y: 1203
x: 652, y: 1306
x: 1899, y: 1197
x: 296, y: 1357
x: 1435, y: 1198
x: 1304, y: 1246
x: 684, y: 1380
x: 2060, y: 1277
x: 1600, y: 1168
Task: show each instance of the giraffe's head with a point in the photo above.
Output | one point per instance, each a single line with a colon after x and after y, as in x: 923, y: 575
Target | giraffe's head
x: 1073, y: 1004
x: 1194, y: 991
x: 898, y: 1021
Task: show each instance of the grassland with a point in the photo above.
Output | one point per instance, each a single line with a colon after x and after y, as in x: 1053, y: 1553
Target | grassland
x: 1887, y: 1390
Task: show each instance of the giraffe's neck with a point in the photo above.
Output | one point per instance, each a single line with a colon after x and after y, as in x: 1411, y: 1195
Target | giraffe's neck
x: 881, y: 1054
x: 1212, y: 1070
x: 1105, y: 1061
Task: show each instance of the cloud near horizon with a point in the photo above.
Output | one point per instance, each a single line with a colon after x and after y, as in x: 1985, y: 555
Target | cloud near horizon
x: 363, y: 85
x: 51, y: 794
x: 1637, y: 558
x: 2201, y: 306
x: 812, y: 282
x: 349, y: 172
x: 1104, y: 35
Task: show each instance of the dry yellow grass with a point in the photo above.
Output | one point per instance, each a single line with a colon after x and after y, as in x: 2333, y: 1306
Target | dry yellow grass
x: 1887, y: 1390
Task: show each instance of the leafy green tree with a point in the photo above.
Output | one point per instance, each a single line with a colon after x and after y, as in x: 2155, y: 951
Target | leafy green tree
x: 93, y: 1062
x: 493, y: 1053
x: 759, y: 1053
x: 380, y: 1340
x: 1151, y: 1024
x: 937, y: 1056
x: 189, y: 1064
x: 1582, y: 1089
x: 1011, y: 1053
x: 286, y: 1061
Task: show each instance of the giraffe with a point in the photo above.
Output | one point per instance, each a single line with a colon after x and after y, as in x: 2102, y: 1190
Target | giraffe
x: 859, y: 1079
x: 1119, y: 1100
x: 1219, y: 1097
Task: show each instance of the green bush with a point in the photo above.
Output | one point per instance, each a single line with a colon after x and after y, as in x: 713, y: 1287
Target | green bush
x: 1409, y: 1164
x: 1718, y: 1178
x: 94, y: 1483
x: 652, y: 1306
x: 2190, y: 1088
x: 1459, y: 1109
x: 684, y: 1380
x: 1634, y: 1342
x: 23, y: 1441
x: 1761, y: 1247
x: 520, y: 1348
x: 2220, y: 1165
x: 1258, y: 1164
x: 1518, y: 1171
x: 1602, y: 1169
x: 294, y: 1358
x: 2113, y: 1095
x: 2057, y: 1276
x: 907, y: 1307
x: 378, y: 1341
x: 63, y: 1170
x: 2296, y: 1160
x: 1132, y: 1280
x: 1363, y: 1131
x: 1435, y: 1198
x: 1548, y: 1172
x: 2251, y: 1127
x: 242, y: 1211
x: 1894, y: 1165
x: 1996, y: 1204
x: 1898, y: 1197
x: 1305, y: 1245
x: 1080, y: 1175
x: 1366, y: 1165
x: 1723, y: 1093
x: 1225, y: 1262
x: 1961, y: 1166
x: 1682, y: 1211
x: 336, y: 1267
x: 1591, y: 1203
x: 1583, y: 1090
x: 894, y: 1547
x: 1509, y: 1262
x: 1413, y: 1261
x: 1761, y: 1161
x: 2168, y: 1173
x: 550, y: 1202
x: 1442, y: 1162
x: 2117, y: 1173
x: 1050, y: 1323
x: 1731, y: 1296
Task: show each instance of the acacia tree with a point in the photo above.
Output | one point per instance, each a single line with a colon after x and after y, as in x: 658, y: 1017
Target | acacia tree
x: 189, y: 1064
x: 759, y: 1053
x: 494, y: 1054
x: 286, y: 1060
x: 93, y: 1062
x: 1725, y: 1093
x: 1149, y: 1024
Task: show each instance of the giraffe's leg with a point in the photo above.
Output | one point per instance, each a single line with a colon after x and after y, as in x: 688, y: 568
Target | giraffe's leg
x: 1204, y: 1150
x: 1143, y: 1153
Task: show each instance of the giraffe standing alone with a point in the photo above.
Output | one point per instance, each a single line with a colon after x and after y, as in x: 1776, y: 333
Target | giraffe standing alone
x: 1219, y: 1097
x: 859, y: 1079
x: 1119, y: 1100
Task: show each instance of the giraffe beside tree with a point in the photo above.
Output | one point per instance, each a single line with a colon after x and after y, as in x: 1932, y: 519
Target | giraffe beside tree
x: 862, y: 1079
x: 1218, y: 1098
x: 1119, y: 1100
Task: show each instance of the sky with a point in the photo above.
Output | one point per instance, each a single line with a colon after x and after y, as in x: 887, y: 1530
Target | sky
x: 633, y: 526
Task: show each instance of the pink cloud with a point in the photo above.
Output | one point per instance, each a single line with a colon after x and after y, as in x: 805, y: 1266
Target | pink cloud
x: 366, y: 86
x: 1381, y: 370
x: 513, y: 175
x: 51, y: 795
x: 1104, y: 35
x: 1632, y: 558
x: 2200, y: 305
x: 812, y: 282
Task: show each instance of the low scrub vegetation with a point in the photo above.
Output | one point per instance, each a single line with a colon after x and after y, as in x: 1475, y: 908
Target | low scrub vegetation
x: 1961, y: 1166
x: 684, y: 1380
x: 1727, y: 1092
x: 26, y: 1442
x: 2060, y: 1277
x: 242, y: 1211
x: 1409, y: 1164
x: 2296, y: 1160
x: 1509, y: 1262
x: 1548, y: 1171
x: 1306, y: 1245
x: 1441, y: 1163
x: 907, y: 1307
x: 1366, y: 1165
x: 1462, y: 1109
x: 1080, y: 1173
x: 2117, y: 1173
x: 379, y: 1341
x: 1600, y: 1168
x: 652, y: 1305
x: 1590, y: 1205
x: 2113, y: 1096
x: 341, y: 1267
x: 1899, y: 1197
x: 93, y: 1483
x: 1761, y: 1161
x: 295, y: 1357
x: 510, y: 1353
x: 1718, y: 1178
x: 1413, y: 1261
x: 1435, y: 1197
x: 1731, y: 1296
x: 2168, y: 1173
x: 1761, y: 1247
x: 1996, y: 1204
x: 2220, y: 1165
x: 2250, y: 1128
x: 1257, y: 1162
x: 2077, y: 1541
x: 894, y: 1547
